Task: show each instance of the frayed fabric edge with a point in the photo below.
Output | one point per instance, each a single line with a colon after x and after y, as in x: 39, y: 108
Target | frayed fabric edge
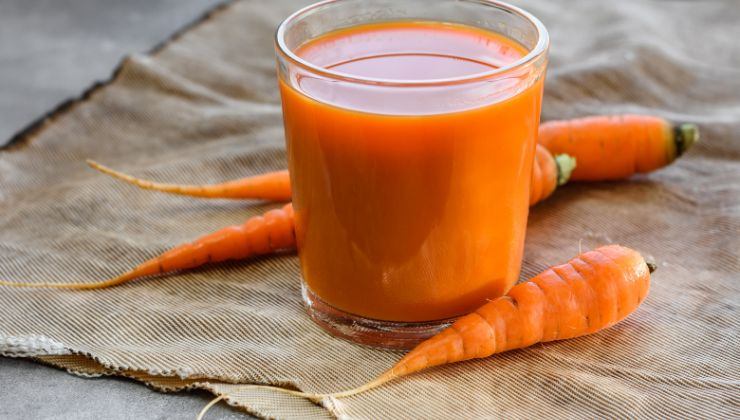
x: 31, y: 346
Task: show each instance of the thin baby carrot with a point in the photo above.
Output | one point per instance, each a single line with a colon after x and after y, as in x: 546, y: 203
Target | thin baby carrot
x: 617, y: 146
x: 270, y: 186
x: 259, y: 235
x: 549, y: 173
x: 589, y: 293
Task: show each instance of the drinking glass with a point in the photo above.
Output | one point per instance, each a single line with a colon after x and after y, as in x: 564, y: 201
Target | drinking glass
x: 411, y: 195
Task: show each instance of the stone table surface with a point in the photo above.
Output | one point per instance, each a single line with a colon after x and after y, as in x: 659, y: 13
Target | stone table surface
x: 50, y: 51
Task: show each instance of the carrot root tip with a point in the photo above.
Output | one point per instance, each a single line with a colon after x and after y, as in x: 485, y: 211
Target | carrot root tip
x: 685, y: 136
x: 566, y: 164
x: 208, y: 407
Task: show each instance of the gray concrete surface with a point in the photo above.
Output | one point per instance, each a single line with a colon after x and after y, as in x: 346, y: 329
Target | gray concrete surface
x: 51, y: 50
x: 32, y: 391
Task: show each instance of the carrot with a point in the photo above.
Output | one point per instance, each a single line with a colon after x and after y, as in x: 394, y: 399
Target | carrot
x: 549, y: 172
x: 273, y: 232
x: 591, y: 292
x: 270, y: 186
x: 618, y: 146
x: 605, y: 147
x: 257, y: 236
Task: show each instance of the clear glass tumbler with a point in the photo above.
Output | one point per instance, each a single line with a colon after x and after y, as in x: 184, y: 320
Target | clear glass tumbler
x: 411, y: 192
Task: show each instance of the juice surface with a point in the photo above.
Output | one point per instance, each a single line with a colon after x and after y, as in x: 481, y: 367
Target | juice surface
x: 416, y: 214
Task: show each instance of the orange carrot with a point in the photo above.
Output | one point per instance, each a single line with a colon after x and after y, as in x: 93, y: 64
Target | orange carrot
x: 549, y: 172
x: 259, y: 235
x: 591, y: 292
x: 618, y: 146
x: 605, y: 147
x: 273, y: 232
x: 270, y: 186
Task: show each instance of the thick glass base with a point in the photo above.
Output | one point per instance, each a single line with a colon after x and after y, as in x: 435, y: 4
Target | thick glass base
x: 369, y: 332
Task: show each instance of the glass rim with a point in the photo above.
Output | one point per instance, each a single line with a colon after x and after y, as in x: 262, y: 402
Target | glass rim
x: 540, y: 48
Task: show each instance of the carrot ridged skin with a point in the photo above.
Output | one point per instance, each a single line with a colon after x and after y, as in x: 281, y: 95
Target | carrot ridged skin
x: 617, y: 146
x: 271, y: 232
x: 269, y: 186
x: 259, y: 235
x: 591, y: 292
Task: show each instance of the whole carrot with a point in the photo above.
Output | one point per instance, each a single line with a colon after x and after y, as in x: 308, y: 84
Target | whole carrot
x: 270, y: 186
x: 605, y: 147
x: 275, y: 231
x: 589, y: 293
x: 259, y: 235
x: 617, y: 146
x: 592, y: 291
x: 549, y: 173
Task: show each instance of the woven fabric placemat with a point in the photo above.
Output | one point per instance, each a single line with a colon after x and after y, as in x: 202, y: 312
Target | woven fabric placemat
x: 204, y: 107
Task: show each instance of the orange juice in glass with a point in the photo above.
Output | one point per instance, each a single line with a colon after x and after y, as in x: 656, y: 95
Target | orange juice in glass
x: 410, y: 128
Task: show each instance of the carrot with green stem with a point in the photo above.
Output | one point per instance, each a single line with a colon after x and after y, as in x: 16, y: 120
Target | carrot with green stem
x: 549, y: 173
x: 271, y: 232
x: 589, y: 293
x: 604, y: 147
x: 618, y: 146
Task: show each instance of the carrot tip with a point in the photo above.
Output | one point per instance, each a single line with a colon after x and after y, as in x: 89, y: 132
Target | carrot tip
x: 566, y: 164
x: 685, y: 135
x: 101, y: 168
x: 208, y: 407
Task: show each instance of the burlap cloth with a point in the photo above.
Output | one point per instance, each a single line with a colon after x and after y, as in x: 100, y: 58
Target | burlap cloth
x: 204, y: 107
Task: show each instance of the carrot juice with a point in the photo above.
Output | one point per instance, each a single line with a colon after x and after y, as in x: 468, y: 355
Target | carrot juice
x: 410, y: 165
